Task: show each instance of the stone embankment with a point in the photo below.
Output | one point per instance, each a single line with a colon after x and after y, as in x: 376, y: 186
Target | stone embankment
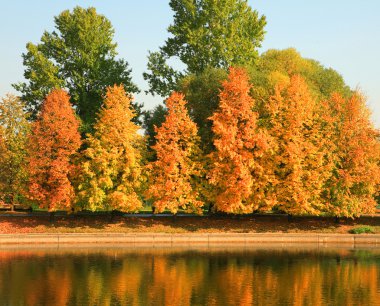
x: 190, y: 238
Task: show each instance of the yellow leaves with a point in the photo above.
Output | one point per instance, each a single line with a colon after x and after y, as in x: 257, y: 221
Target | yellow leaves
x: 111, y: 164
x: 299, y: 156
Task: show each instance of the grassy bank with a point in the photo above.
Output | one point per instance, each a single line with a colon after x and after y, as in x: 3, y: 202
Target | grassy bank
x: 214, y: 224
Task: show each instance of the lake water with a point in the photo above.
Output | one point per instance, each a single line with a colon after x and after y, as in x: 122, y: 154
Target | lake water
x: 179, y: 276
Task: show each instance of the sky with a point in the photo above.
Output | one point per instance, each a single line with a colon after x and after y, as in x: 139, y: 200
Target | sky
x: 341, y: 34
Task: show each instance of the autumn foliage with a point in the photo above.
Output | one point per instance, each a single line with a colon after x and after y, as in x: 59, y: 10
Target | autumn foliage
x: 177, y: 171
x: 110, y: 166
x: 355, y: 176
x: 293, y: 151
x: 54, y: 139
x: 14, y: 130
x: 300, y: 166
x: 239, y: 173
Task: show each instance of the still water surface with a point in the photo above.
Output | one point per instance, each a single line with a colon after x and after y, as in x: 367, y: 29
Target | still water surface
x: 178, y: 276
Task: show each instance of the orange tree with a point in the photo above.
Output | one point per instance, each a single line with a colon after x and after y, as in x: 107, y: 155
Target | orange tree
x: 300, y: 162
x: 351, y: 189
x: 240, y: 174
x: 110, y: 170
x: 54, y: 139
x: 176, y: 175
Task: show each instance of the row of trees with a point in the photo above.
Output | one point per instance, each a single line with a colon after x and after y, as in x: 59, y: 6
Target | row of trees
x: 303, y: 157
x: 280, y: 132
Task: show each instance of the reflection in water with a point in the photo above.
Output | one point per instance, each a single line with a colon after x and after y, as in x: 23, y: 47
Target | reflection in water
x: 190, y: 277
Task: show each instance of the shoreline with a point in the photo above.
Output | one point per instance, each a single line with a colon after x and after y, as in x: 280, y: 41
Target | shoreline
x: 248, y: 239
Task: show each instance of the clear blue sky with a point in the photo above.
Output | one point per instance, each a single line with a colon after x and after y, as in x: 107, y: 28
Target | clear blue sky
x: 342, y: 34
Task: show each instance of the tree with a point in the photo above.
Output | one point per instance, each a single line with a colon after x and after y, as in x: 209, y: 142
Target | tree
x: 239, y: 175
x: 202, y: 96
x: 355, y: 178
x: 110, y: 172
x: 152, y: 119
x: 276, y: 67
x: 52, y: 143
x: 300, y: 165
x: 207, y: 33
x: 79, y: 56
x: 15, y: 128
x: 176, y: 174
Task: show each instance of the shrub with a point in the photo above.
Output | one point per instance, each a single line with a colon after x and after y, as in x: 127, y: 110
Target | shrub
x: 362, y: 230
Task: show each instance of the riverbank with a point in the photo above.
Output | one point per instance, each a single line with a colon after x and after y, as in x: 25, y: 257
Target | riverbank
x: 189, y: 238
x: 98, y: 224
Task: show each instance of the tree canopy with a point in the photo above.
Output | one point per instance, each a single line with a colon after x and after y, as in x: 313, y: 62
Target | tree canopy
x: 110, y: 167
x: 355, y: 153
x: 238, y: 172
x: 79, y: 55
x: 14, y: 131
x: 52, y: 143
x: 206, y: 33
x: 276, y: 67
x: 175, y: 174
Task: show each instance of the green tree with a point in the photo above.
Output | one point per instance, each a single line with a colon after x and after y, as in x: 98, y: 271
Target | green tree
x: 14, y: 128
x: 202, y: 96
x: 79, y: 56
x: 153, y: 119
x: 206, y: 33
x: 276, y: 67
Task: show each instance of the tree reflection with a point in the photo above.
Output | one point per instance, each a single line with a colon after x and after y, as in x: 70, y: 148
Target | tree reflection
x: 165, y: 277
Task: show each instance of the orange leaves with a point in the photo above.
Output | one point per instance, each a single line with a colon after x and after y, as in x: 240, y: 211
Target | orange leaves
x: 356, y: 170
x: 241, y: 146
x: 177, y: 170
x: 110, y: 175
x: 54, y: 139
x: 299, y: 158
x: 298, y: 155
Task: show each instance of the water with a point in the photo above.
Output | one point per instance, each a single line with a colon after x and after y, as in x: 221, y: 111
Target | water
x: 179, y: 276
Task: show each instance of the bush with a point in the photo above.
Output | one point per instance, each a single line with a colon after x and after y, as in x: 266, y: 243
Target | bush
x: 362, y: 230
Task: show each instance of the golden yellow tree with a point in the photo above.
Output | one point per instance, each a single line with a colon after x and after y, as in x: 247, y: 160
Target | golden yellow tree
x: 110, y: 166
x: 240, y: 175
x: 300, y: 165
x: 175, y: 175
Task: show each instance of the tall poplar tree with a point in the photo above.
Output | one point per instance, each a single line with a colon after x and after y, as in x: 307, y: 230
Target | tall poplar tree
x: 240, y: 176
x: 110, y: 166
x: 176, y: 175
x: 53, y: 141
